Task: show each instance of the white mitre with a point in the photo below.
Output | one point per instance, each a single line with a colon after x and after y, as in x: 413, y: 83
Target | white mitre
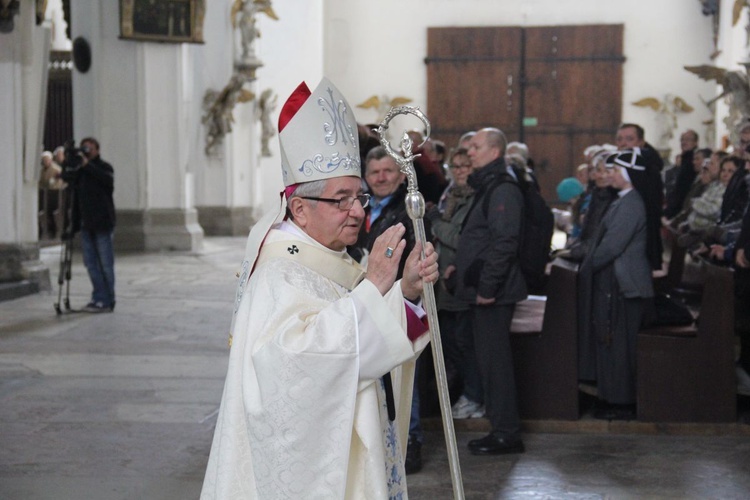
x: 318, y: 139
x: 318, y: 135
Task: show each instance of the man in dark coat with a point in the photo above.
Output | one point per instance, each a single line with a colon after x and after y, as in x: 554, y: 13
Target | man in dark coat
x: 685, y: 174
x: 94, y: 216
x: 489, y: 279
x: 630, y: 136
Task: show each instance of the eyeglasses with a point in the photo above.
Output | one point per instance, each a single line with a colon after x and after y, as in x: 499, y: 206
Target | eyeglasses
x: 345, y: 203
x: 461, y: 165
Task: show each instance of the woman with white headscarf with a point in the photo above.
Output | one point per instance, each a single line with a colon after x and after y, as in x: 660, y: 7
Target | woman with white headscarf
x: 615, y: 284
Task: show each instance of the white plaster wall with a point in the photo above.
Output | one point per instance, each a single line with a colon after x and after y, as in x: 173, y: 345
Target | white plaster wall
x: 379, y: 47
x: 292, y: 51
x: 211, y: 69
x: 11, y: 140
x: 162, y: 127
x: 106, y: 98
x: 243, y: 150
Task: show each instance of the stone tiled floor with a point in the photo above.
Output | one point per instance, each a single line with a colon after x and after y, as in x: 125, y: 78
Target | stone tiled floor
x: 122, y: 406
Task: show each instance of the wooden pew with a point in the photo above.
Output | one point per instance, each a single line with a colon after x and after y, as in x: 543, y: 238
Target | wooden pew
x: 545, y: 357
x: 686, y: 374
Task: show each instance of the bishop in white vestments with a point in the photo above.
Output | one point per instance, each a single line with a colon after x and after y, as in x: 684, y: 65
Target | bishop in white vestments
x: 318, y: 391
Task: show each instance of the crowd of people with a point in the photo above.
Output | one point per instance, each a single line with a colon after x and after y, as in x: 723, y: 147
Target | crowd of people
x: 474, y: 219
x: 699, y: 204
x: 626, y: 210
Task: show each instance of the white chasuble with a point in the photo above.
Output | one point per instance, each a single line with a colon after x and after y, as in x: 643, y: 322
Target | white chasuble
x: 302, y: 414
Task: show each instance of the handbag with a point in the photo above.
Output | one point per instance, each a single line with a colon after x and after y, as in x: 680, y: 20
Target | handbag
x: 668, y: 311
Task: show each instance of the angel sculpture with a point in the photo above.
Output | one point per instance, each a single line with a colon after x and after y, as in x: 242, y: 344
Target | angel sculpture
x: 737, y: 8
x: 383, y: 104
x: 219, y: 106
x: 266, y: 104
x: 246, y: 10
x: 735, y: 87
x: 666, y: 114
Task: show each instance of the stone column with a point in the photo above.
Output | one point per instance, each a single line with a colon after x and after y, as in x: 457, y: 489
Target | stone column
x: 23, y: 77
x: 167, y: 110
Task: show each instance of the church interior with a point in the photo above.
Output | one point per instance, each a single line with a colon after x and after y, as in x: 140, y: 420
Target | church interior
x: 184, y: 98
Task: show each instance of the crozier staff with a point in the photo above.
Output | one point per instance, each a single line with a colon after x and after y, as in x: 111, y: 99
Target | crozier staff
x: 304, y: 412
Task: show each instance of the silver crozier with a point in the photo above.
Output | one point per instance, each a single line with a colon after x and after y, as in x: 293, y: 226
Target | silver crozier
x: 415, y: 208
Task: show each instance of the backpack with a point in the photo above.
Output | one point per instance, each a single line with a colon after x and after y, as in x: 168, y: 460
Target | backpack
x: 536, y: 233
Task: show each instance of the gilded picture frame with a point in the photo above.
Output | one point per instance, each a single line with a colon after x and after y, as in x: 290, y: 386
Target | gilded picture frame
x: 171, y: 21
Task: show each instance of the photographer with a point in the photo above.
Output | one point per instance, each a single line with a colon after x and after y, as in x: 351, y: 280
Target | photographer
x: 92, y: 182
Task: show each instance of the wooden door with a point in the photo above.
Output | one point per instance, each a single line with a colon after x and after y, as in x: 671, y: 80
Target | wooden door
x: 473, y: 77
x: 557, y: 88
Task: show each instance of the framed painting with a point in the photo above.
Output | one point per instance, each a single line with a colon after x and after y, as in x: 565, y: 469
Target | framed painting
x: 172, y: 21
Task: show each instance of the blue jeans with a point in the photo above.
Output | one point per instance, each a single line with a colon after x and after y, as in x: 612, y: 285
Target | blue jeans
x: 99, y: 259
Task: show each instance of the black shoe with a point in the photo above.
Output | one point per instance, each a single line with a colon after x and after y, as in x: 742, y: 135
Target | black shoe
x: 493, y: 445
x: 413, y: 462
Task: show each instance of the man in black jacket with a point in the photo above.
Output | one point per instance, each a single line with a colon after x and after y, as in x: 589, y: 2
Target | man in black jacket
x: 489, y: 279
x: 630, y: 136
x: 685, y: 174
x: 94, y: 217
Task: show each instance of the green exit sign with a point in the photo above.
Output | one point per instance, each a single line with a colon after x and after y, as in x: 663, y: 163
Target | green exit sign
x: 530, y: 121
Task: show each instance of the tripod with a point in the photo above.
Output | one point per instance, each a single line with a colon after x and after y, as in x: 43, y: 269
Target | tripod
x: 66, y: 252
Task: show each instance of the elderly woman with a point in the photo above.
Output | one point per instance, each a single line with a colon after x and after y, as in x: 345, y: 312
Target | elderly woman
x: 705, y: 208
x: 51, y: 172
x: 707, y: 171
x: 50, y: 184
x: 601, y: 196
x: 454, y: 316
x: 705, y: 229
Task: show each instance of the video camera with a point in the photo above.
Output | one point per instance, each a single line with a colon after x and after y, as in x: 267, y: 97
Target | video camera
x: 74, y: 159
